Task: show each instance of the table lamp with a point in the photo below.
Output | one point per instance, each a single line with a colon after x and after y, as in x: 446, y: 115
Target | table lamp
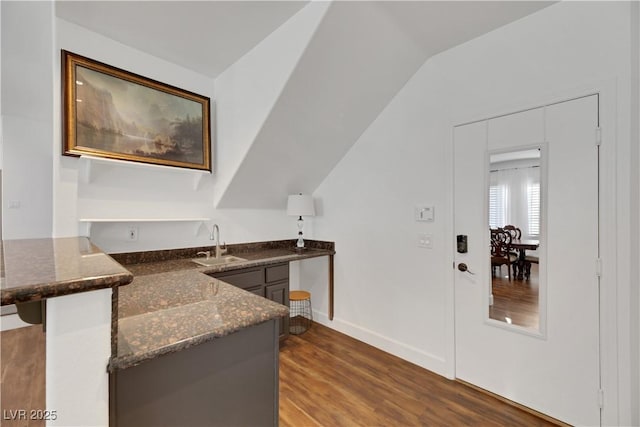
x: 300, y: 205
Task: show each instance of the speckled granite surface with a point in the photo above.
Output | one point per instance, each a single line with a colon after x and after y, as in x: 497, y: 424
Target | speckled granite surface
x: 256, y: 258
x: 253, y: 250
x: 35, y: 269
x: 168, y: 312
x: 171, y: 305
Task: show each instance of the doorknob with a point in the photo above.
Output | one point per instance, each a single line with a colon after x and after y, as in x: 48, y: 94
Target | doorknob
x: 463, y: 267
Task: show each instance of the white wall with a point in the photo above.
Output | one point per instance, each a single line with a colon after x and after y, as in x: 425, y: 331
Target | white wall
x: 27, y: 90
x: 393, y: 294
x: 124, y: 191
x: 25, y: 124
x: 635, y: 208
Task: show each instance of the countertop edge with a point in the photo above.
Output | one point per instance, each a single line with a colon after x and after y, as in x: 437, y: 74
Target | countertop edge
x: 43, y: 291
x: 117, y: 363
x: 264, y: 261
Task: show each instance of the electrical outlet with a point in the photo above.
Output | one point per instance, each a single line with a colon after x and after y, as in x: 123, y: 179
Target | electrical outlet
x: 132, y: 234
x: 425, y: 241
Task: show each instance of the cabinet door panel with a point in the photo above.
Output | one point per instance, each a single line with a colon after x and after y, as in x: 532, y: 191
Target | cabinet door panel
x: 277, y: 273
x: 279, y: 292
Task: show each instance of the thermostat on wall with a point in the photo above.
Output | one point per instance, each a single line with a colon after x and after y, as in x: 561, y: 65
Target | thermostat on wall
x: 424, y: 213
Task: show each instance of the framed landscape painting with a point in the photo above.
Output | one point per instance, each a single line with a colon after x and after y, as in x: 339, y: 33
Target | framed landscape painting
x: 112, y: 113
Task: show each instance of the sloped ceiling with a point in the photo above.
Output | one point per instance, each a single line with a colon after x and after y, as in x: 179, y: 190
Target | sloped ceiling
x: 204, y: 36
x: 360, y: 56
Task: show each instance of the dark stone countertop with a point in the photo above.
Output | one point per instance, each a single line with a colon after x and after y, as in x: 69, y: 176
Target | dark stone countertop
x: 172, y: 304
x: 36, y: 269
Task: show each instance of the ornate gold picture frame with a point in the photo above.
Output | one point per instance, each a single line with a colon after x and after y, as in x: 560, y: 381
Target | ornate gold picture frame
x: 112, y: 113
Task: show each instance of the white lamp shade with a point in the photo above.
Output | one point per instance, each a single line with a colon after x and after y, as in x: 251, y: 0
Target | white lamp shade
x: 300, y: 205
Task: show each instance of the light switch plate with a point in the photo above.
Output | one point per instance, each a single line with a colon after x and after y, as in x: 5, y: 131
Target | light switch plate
x: 424, y: 213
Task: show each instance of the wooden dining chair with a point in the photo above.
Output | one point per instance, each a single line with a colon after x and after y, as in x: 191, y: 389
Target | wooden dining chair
x: 500, y: 250
x: 516, y: 234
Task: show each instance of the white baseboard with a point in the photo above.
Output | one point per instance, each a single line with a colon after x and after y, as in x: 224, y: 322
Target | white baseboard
x: 409, y: 353
x: 12, y: 321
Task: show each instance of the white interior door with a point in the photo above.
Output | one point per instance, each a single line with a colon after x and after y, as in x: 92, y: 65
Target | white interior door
x: 555, y: 371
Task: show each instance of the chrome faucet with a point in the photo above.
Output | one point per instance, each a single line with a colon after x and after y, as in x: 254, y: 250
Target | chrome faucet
x: 219, y: 250
x: 207, y: 254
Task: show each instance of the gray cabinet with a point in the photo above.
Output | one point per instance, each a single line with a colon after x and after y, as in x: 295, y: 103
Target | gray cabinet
x: 228, y: 381
x: 271, y: 282
x: 279, y: 292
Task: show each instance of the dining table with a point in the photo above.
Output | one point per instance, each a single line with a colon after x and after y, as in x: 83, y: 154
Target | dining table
x: 522, y: 245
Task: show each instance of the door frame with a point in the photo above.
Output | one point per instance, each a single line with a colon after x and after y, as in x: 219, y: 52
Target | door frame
x: 608, y: 232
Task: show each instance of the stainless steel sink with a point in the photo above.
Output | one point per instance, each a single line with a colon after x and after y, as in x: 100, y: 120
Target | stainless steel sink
x: 208, y: 262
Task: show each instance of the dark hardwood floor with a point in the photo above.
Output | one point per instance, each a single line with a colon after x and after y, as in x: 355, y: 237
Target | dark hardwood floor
x: 326, y: 379
x: 22, y: 366
x: 516, y: 300
x: 329, y: 379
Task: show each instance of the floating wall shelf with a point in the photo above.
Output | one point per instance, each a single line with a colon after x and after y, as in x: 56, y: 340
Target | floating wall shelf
x: 87, y: 173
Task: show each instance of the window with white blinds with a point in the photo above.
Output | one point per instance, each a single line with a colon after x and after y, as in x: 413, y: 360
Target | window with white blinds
x: 497, y: 205
x: 514, y: 191
x: 533, y: 208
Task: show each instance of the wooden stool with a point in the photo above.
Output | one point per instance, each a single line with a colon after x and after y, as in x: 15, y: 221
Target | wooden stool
x: 299, y: 312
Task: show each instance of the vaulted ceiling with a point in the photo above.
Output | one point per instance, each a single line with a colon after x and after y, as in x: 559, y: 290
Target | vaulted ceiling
x: 359, y: 56
x: 204, y: 36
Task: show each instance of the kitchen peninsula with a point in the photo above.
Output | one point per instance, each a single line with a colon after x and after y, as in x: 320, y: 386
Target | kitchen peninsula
x: 72, y: 282
x: 192, y: 348
x: 103, y: 337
